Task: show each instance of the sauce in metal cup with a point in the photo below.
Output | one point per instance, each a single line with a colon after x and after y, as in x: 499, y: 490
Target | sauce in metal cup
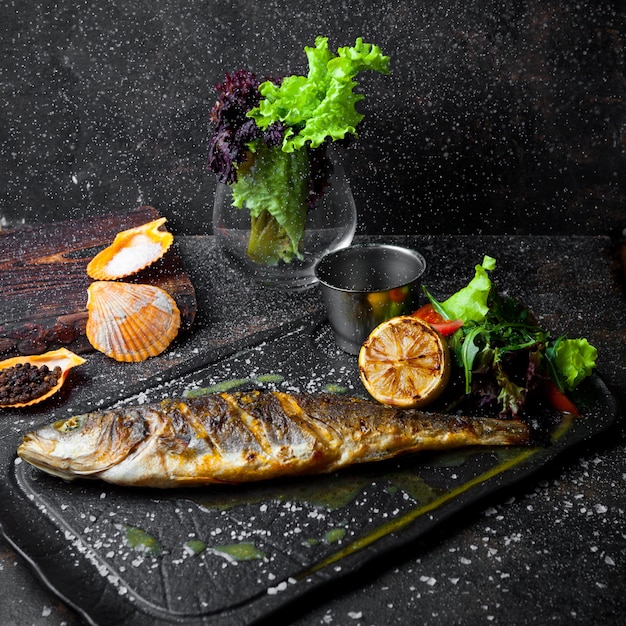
x: 366, y: 284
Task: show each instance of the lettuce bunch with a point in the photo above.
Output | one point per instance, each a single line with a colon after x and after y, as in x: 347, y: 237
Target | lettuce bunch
x: 268, y: 139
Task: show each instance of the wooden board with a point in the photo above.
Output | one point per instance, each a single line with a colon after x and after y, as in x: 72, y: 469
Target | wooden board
x: 43, y: 281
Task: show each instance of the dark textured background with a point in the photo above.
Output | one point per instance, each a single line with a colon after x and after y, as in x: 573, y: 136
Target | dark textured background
x: 499, y: 116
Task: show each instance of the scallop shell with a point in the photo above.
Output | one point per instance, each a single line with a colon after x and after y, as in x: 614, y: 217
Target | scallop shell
x: 63, y: 358
x: 131, y: 251
x: 130, y: 322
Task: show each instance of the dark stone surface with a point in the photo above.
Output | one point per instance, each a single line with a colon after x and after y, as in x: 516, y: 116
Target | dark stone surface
x: 549, y: 550
x: 499, y: 117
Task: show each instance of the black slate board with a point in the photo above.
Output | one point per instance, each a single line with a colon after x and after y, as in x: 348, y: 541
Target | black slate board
x: 230, y: 555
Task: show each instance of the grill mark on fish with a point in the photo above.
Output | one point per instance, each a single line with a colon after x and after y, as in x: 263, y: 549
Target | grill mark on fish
x: 249, y: 425
x: 228, y: 428
x: 247, y: 436
x: 280, y: 435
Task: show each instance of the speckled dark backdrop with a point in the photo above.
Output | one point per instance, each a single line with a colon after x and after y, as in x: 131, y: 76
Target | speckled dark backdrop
x: 499, y: 116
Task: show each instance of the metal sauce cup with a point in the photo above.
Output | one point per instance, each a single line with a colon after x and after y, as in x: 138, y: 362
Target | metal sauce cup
x: 365, y: 285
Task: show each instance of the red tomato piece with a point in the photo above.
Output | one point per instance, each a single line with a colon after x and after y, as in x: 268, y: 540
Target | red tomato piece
x: 443, y: 326
x: 428, y: 314
x: 448, y: 327
x: 559, y: 400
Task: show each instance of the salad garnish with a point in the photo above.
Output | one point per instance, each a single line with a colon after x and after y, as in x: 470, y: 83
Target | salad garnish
x: 269, y: 136
x: 506, y: 358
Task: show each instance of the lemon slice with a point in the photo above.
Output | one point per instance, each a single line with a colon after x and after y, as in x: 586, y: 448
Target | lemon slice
x: 405, y: 362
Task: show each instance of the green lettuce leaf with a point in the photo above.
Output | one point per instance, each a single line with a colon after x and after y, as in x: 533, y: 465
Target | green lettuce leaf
x: 574, y: 359
x: 320, y: 105
x: 470, y: 303
x: 274, y: 189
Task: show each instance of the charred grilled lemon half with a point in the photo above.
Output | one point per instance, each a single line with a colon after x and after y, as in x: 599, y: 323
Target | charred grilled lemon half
x: 405, y: 363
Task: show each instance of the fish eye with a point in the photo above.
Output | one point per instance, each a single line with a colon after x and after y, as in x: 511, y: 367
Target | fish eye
x: 67, y: 425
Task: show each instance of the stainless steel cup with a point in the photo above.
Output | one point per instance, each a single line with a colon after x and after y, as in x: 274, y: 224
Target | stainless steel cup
x: 365, y: 285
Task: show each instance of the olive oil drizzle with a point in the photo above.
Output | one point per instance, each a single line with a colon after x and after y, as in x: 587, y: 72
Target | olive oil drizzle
x: 409, y: 517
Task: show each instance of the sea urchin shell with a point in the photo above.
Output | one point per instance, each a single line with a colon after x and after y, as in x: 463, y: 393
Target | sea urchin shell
x: 131, y: 251
x: 130, y: 322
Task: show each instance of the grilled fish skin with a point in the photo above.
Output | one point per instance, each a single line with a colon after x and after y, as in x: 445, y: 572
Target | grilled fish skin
x: 246, y: 436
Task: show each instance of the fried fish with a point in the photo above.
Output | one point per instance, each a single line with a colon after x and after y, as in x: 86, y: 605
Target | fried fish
x: 247, y: 436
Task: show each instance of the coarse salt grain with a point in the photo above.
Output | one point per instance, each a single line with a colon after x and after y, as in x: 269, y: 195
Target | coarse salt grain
x: 140, y: 252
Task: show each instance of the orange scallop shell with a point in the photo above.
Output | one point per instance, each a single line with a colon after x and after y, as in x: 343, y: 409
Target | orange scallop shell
x: 62, y: 357
x: 130, y: 322
x: 131, y: 251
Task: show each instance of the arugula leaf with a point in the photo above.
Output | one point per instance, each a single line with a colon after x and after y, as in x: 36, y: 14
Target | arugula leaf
x: 466, y: 353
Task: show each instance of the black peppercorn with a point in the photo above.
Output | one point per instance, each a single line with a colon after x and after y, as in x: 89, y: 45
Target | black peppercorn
x: 22, y: 383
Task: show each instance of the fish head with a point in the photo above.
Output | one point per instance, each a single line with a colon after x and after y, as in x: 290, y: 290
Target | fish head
x: 84, y: 445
